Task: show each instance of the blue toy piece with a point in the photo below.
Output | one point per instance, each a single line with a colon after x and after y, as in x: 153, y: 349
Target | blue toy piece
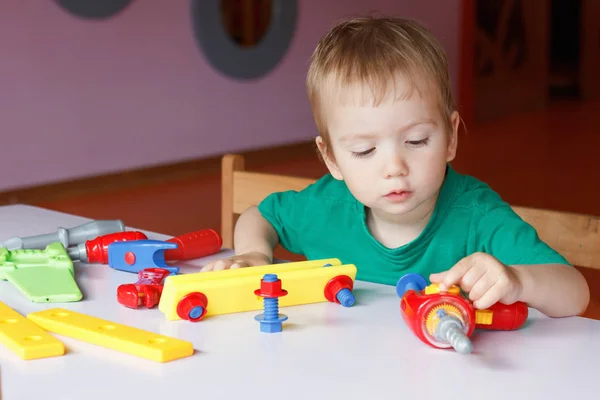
x: 346, y: 297
x: 136, y: 255
x: 410, y: 282
x: 270, y: 320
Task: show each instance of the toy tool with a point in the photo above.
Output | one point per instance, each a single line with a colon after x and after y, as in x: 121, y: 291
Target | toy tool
x: 448, y: 319
x: 134, y: 256
x: 188, y: 246
x: 68, y: 237
x: 193, y: 296
x: 127, y: 339
x: 41, y: 275
x: 96, y: 250
x: 146, y: 291
x: 193, y: 245
x: 25, y: 338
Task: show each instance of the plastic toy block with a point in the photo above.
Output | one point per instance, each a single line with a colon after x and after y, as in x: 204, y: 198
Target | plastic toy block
x: 193, y: 296
x: 112, y: 335
x: 263, y: 269
x: 134, y: 256
x: 26, y: 339
x: 44, y: 276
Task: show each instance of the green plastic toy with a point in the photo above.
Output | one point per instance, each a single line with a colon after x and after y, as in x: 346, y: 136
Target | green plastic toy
x: 43, y: 275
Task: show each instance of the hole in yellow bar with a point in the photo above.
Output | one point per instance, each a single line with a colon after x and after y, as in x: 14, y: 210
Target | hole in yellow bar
x: 157, y: 341
x: 8, y: 321
x: 33, y: 338
x: 60, y: 314
x: 107, y: 327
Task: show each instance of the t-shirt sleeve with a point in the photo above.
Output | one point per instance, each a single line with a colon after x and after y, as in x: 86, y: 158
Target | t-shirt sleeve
x: 505, y: 235
x: 282, y: 210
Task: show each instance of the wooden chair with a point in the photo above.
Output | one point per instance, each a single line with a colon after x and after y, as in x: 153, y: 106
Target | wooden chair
x: 575, y: 236
x: 241, y: 189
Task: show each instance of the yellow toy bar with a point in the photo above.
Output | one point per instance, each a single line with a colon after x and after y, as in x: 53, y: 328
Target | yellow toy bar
x: 25, y: 338
x: 193, y: 296
x: 111, y: 335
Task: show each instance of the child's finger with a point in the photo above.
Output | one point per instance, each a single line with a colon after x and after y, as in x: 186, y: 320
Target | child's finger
x: 491, y: 297
x: 221, y: 265
x: 481, y: 287
x: 437, y: 277
x: 472, y: 277
x: 208, y: 267
x: 454, y: 274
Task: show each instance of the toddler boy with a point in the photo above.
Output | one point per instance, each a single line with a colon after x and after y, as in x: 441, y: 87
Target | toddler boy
x: 381, y: 97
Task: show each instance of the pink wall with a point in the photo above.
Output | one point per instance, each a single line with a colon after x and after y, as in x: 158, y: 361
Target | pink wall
x: 80, y: 98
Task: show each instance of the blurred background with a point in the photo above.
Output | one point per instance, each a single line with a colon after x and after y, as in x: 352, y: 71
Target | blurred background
x: 123, y: 109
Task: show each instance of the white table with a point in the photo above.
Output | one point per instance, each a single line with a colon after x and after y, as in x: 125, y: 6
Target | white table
x: 324, y: 352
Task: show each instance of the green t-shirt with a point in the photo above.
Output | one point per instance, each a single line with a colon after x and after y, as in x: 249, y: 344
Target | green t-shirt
x: 326, y: 221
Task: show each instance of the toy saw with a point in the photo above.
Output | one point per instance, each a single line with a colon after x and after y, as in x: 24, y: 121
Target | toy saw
x: 42, y: 275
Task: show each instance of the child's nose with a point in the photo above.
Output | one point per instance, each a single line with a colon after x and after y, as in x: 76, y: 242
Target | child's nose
x: 396, y: 166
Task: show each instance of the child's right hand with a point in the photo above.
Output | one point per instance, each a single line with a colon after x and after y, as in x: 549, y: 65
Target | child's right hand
x: 252, y: 259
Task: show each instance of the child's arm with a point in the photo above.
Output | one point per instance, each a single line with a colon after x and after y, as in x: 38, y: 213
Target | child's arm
x: 254, y: 240
x: 554, y: 289
x: 557, y: 290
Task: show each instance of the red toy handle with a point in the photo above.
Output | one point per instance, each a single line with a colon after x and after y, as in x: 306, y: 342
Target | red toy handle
x: 194, y: 245
x: 506, y: 317
x: 97, y: 249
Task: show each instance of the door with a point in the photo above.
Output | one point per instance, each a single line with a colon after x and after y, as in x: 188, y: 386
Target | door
x: 510, y: 57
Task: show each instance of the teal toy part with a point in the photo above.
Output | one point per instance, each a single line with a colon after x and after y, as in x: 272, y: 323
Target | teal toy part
x: 42, y: 275
x: 134, y: 256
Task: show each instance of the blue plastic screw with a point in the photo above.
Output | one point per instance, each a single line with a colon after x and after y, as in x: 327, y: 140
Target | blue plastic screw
x: 270, y: 320
x: 196, y: 312
x: 346, y: 297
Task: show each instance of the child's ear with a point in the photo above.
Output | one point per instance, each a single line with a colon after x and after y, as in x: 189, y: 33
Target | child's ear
x: 327, y: 156
x: 453, y: 137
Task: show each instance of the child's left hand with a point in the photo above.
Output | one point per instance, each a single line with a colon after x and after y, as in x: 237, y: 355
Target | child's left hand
x: 484, y: 278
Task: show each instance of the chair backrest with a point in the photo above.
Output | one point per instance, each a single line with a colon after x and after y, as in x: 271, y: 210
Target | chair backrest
x: 241, y: 189
x: 575, y: 236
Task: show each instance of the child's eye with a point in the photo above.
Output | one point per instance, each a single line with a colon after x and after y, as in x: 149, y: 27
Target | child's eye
x: 418, y: 143
x: 361, y: 154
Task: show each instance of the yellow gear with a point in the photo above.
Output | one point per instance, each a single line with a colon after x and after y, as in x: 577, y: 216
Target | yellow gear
x: 432, y: 319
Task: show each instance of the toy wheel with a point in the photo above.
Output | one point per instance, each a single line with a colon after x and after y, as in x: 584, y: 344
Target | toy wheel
x: 410, y: 282
x: 192, y: 307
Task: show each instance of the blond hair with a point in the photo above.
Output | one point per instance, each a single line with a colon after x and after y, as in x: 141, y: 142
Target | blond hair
x: 375, y: 51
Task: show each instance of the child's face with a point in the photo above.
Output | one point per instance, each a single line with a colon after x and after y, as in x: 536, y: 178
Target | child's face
x: 393, y: 157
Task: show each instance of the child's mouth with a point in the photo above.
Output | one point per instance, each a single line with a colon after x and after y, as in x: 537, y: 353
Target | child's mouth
x: 399, y: 195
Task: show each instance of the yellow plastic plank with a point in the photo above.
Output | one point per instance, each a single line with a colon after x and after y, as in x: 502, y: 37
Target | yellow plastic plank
x: 112, y: 335
x: 26, y: 339
x: 259, y: 270
x: 234, y: 292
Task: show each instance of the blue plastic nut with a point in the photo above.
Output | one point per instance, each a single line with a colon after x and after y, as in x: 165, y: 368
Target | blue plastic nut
x: 136, y: 255
x: 410, y: 282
